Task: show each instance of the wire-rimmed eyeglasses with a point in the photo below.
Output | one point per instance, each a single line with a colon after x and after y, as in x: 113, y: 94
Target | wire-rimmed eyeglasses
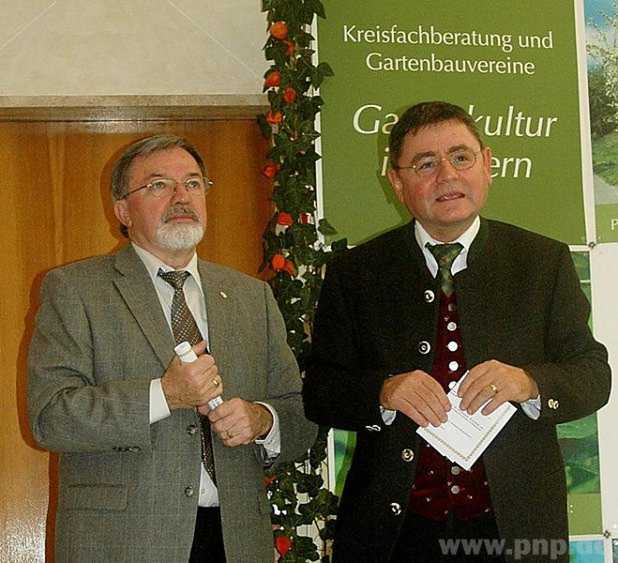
x: 428, y: 164
x: 164, y: 187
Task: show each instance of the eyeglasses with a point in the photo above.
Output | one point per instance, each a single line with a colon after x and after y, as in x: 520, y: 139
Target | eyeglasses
x: 427, y: 165
x: 165, y: 187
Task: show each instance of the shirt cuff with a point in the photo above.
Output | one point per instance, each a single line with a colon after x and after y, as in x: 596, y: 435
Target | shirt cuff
x: 158, y: 409
x: 532, y: 407
x: 388, y: 416
x: 272, y: 442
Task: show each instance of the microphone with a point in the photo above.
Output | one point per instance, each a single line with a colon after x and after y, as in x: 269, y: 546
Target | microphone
x: 187, y: 355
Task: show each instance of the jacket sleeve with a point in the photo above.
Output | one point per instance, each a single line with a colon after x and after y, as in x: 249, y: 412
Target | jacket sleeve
x: 284, y: 387
x: 70, y: 407
x: 575, y: 379
x: 338, y: 390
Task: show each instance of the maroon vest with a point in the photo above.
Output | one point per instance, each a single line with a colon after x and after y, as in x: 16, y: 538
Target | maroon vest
x: 441, y: 487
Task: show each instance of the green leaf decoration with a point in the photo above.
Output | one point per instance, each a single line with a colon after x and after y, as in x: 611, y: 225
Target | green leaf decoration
x: 295, y: 253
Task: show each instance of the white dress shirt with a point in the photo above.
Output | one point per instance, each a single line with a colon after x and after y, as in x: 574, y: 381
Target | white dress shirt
x: 194, y: 295
x: 532, y: 407
x: 466, y: 239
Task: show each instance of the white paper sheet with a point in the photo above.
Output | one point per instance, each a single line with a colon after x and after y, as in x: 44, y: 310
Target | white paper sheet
x: 463, y: 437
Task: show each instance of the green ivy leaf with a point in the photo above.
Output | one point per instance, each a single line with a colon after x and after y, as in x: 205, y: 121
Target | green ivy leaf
x: 265, y: 127
x: 325, y: 69
x: 339, y: 245
x: 326, y: 228
x: 317, y: 7
x: 293, y: 149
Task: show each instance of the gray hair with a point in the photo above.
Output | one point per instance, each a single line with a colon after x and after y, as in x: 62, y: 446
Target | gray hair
x: 145, y: 147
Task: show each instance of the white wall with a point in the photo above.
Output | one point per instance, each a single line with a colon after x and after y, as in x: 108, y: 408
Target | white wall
x: 131, y: 47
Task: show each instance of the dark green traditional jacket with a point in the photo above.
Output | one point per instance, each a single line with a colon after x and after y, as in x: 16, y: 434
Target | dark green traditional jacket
x: 519, y: 302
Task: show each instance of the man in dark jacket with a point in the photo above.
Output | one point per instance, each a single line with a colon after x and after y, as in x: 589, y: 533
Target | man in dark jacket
x: 405, y: 315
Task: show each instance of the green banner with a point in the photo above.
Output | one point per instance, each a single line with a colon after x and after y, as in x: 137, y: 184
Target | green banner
x: 513, y: 66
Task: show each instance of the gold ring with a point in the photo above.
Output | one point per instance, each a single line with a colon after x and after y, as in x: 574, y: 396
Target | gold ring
x: 493, y: 388
x: 215, y: 381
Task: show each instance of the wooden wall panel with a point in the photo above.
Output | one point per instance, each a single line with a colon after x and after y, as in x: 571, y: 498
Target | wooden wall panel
x: 54, y: 179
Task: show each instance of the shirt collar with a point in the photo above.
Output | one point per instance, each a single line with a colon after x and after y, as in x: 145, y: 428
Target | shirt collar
x: 465, y: 239
x: 154, y: 264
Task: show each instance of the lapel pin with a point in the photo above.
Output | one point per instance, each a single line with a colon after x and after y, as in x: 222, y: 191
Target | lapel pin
x: 223, y: 294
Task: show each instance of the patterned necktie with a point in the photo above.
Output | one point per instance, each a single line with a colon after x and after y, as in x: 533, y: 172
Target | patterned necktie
x: 184, y: 328
x: 445, y: 254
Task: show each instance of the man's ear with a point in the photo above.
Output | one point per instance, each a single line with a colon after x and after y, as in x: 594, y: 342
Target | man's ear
x: 395, y: 181
x: 486, y: 152
x: 121, y: 211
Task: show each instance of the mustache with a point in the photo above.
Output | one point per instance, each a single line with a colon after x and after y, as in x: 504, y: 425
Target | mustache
x: 180, y: 211
x: 448, y: 187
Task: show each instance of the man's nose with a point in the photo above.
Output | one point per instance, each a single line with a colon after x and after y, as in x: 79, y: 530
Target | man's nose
x: 181, y: 193
x: 446, y: 170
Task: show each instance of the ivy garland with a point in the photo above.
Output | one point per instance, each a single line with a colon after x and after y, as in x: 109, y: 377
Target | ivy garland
x: 294, y: 254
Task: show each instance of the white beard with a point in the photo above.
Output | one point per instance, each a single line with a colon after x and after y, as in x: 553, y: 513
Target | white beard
x: 179, y: 236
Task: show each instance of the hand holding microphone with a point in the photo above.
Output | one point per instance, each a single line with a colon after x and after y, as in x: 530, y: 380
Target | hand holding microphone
x: 186, y: 354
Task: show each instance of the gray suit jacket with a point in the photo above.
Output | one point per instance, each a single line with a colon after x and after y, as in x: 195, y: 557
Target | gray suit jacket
x: 129, y: 489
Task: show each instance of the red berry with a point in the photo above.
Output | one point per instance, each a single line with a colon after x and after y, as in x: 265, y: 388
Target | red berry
x: 273, y: 79
x: 279, y: 30
x: 285, y: 219
x: 277, y: 262
x: 289, y: 95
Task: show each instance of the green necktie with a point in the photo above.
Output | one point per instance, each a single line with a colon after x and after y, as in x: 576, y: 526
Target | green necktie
x: 445, y: 254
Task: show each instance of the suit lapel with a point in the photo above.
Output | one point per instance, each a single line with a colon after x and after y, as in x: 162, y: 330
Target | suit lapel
x: 220, y: 300
x: 135, y: 286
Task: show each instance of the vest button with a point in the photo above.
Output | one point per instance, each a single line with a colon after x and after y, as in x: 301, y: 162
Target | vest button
x: 189, y: 491
x: 424, y: 347
x: 191, y: 429
x: 395, y: 508
x: 429, y: 296
x: 455, y: 470
x: 455, y: 489
x: 407, y: 455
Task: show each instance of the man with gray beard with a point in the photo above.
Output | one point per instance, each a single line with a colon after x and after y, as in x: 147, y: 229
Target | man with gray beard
x: 162, y: 459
